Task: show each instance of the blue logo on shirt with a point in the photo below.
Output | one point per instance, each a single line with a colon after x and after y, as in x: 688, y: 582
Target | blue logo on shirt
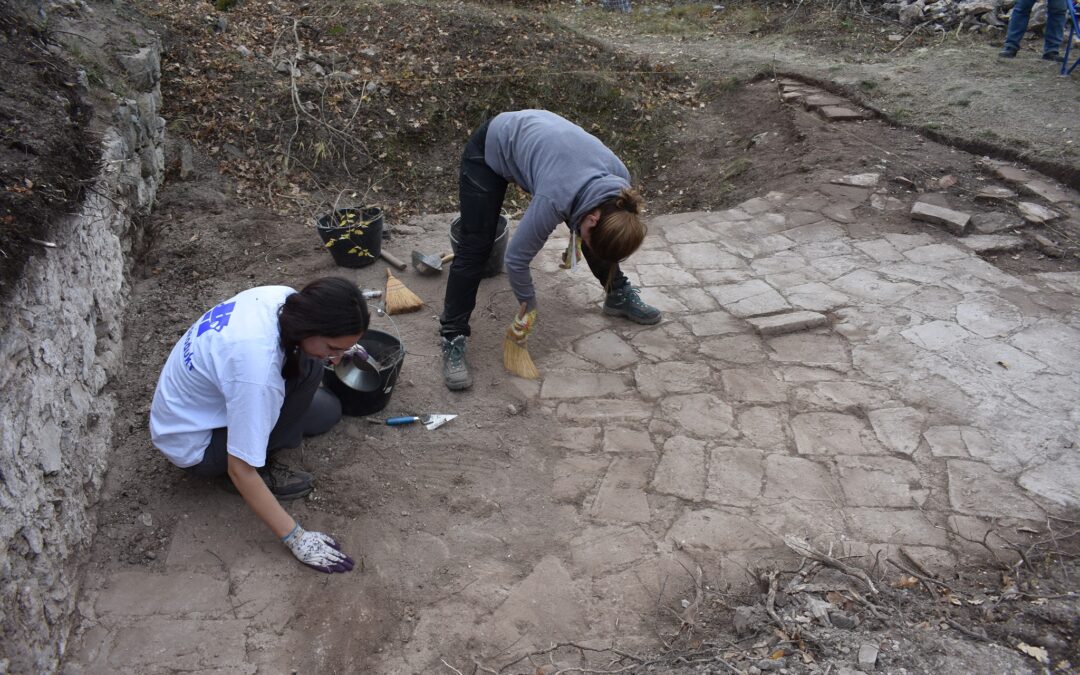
x: 216, y: 319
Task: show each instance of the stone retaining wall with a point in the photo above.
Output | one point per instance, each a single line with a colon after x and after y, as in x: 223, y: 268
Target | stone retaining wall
x: 60, y: 346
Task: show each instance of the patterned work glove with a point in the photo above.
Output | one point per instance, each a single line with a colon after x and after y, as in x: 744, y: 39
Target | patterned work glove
x: 523, y: 324
x: 317, y: 550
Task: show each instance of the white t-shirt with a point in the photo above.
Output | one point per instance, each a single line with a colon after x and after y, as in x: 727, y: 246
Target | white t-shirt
x: 224, y: 372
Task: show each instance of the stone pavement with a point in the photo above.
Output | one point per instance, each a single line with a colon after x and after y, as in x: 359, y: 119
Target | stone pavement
x: 825, y: 368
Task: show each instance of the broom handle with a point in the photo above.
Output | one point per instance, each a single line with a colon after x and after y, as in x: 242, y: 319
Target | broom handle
x: 389, y: 257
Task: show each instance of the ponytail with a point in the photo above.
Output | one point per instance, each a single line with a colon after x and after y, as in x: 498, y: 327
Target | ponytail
x: 619, y: 231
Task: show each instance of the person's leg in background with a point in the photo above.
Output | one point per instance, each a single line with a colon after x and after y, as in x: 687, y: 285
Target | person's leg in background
x: 481, y: 192
x: 1054, y: 31
x: 1018, y: 23
x: 622, y: 299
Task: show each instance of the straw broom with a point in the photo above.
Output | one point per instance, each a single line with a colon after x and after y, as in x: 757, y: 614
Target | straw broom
x: 398, y: 298
x: 516, y: 357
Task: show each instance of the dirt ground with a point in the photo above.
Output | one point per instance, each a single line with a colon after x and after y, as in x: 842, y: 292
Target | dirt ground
x: 736, y: 142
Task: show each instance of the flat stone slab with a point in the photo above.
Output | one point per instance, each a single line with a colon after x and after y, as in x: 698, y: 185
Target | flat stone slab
x: 1037, y: 214
x: 579, y: 384
x: 749, y: 298
x: 715, y: 323
x: 1057, y: 480
x: 995, y: 221
x: 815, y: 297
x: 603, y: 411
x: 867, y: 285
x: 601, y: 550
x: 715, y: 530
x: 664, y: 275
x: 858, y: 180
x: 606, y: 349
x: 735, y: 475
x: 1047, y: 191
x: 936, y: 335
x: 995, y: 193
x: 524, y: 622
x: 828, y: 433
x: 621, y: 497
x: 788, y: 477
x: 989, y: 316
x: 954, y: 221
x: 681, y: 471
x: 753, y: 386
x: 994, y: 243
x: 734, y: 349
x: 576, y: 476
x: 905, y: 527
x: 880, y: 481
x: 811, y: 349
x: 764, y: 427
x: 898, y: 429
x: 840, y: 113
x: 672, y: 377
x: 818, y: 100
x: 976, y: 488
x: 703, y: 415
x: 628, y: 441
x: 957, y: 441
x: 791, y: 322
x: 706, y: 256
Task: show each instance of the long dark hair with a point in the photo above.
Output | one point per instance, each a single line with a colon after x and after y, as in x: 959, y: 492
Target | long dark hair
x: 619, y: 231
x: 329, y: 307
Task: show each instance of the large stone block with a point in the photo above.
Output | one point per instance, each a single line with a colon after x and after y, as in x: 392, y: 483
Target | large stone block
x: 826, y: 433
x: 681, y: 471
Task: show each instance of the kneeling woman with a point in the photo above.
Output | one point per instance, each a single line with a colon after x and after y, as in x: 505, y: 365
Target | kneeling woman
x: 573, y: 178
x: 243, y: 382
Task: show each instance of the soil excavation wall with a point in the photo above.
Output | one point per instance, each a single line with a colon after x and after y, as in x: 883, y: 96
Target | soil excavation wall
x: 60, y: 346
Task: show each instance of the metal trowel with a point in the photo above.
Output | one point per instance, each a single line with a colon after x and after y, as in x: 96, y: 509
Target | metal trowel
x: 430, y: 422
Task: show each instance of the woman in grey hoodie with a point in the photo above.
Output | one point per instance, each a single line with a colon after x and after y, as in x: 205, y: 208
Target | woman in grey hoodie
x: 573, y: 178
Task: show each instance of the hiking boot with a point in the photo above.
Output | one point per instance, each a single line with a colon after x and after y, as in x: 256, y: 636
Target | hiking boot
x: 1052, y: 56
x: 455, y: 370
x: 627, y: 302
x: 1007, y: 53
x: 284, y: 483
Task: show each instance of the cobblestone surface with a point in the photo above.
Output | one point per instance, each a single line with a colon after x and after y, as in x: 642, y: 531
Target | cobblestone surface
x: 939, y: 393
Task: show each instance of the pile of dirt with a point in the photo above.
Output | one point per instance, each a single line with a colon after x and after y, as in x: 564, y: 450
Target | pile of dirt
x: 378, y: 98
x: 48, y: 152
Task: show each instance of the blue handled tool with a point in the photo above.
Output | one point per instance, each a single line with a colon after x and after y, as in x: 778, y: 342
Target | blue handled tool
x: 430, y: 422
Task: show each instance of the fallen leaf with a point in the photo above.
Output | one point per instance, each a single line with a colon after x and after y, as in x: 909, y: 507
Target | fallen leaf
x: 1037, y: 653
x: 778, y: 654
x: 906, y: 582
x: 947, y: 181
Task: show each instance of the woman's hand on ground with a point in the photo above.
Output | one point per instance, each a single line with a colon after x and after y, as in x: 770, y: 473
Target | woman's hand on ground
x: 317, y: 550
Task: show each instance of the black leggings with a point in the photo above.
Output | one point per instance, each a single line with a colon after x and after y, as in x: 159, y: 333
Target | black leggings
x: 308, y: 410
x: 481, y: 192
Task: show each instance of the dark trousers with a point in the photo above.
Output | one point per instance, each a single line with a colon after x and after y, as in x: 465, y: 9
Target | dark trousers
x: 481, y: 192
x: 308, y: 410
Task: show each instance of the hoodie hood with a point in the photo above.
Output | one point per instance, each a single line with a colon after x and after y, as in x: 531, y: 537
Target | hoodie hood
x: 593, y: 194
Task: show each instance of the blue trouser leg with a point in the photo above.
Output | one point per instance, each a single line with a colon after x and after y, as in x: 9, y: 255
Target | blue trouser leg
x: 1055, y: 25
x: 481, y: 192
x: 1018, y: 23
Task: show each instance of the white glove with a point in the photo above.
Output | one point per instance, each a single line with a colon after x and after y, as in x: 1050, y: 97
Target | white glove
x: 317, y: 550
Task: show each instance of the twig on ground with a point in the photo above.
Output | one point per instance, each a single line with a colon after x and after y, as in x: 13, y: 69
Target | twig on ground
x: 451, y: 667
x: 967, y: 631
x: 913, y: 31
x: 803, y: 548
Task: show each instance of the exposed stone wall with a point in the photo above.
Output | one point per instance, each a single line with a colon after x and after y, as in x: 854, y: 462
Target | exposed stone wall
x: 60, y: 345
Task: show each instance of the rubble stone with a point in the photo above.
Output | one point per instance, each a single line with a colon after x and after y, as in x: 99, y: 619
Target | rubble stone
x: 955, y: 221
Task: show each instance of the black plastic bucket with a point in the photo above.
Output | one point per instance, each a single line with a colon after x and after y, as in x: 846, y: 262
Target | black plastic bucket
x: 363, y: 390
x: 354, y: 236
x: 494, y: 265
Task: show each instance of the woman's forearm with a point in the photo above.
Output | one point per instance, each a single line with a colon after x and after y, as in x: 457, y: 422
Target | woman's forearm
x: 258, y: 497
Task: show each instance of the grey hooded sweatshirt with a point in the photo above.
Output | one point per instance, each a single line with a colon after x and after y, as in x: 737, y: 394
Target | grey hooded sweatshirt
x: 568, y: 172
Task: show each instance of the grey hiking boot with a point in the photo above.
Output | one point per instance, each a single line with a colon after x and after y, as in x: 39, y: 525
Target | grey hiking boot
x: 455, y: 370
x: 627, y: 302
x: 284, y: 483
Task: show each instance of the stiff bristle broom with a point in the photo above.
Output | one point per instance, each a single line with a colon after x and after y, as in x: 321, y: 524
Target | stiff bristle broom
x: 516, y: 358
x: 398, y: 298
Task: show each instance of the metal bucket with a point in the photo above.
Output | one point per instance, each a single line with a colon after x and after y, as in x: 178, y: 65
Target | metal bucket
x: 365, y: 389
x: 494, y: 264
